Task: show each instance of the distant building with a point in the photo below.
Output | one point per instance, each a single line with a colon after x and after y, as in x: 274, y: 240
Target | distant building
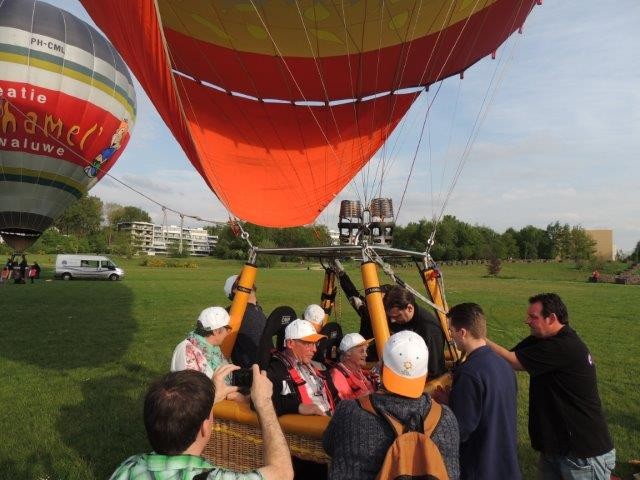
x: 160, y: 239
x: 334, y: 235
x: 605, y: 249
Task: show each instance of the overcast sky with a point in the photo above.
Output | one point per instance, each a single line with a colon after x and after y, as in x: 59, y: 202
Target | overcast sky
x: 560, y: 139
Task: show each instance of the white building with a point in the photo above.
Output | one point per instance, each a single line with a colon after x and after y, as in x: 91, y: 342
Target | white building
x: 159, y: 239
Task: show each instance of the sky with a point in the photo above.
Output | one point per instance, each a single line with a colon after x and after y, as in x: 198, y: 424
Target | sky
x: 558, y: 140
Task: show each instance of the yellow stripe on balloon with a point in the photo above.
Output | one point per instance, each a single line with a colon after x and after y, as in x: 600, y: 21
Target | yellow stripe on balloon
x: 371, y: 25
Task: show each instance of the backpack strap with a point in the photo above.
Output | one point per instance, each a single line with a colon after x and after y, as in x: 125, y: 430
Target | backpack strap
x: 366, y: 404
x: 432, y: 418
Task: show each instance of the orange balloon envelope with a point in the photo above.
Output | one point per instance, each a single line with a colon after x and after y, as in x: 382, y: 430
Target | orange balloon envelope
x: 279, y: 103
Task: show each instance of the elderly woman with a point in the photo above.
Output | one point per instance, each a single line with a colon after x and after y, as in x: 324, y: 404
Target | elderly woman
x: 349, y: 377
x: 201, y: 349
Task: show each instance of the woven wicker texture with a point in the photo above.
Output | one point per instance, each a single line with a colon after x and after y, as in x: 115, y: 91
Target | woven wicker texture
x: 238, y: 446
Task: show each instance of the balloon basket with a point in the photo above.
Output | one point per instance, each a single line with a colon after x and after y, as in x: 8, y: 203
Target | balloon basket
x: 236, y: 438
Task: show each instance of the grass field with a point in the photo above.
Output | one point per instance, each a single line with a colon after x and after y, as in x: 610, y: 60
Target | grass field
x: 76, y: 357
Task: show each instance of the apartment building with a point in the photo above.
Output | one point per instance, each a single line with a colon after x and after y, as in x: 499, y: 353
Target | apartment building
x: 160, y: 239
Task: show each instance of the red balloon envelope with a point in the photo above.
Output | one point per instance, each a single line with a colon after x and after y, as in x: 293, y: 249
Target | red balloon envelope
x: 278, y: 104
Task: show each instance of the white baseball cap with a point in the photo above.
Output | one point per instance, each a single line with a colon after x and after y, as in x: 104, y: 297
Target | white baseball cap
x: 405, y: 360
x: 302, y: 330
x: 352, y: 340
x: 228, y: 285
x: 212, y: 318
x: 314, y: 314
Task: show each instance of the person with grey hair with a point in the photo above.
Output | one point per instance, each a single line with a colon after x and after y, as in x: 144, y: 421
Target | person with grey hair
x: 201, y: 349
x: 350, y: 379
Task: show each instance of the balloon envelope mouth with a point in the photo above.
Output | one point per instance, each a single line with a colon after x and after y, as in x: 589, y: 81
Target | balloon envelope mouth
x: 19, y: 238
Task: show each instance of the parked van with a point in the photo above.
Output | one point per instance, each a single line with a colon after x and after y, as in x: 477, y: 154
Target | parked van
x: 86, y: 266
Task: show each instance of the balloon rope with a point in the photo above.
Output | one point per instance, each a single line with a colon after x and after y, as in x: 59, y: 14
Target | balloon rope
x: 361, y: 142
x: 479, y: 120
x: 318, y: 69
x: 446, y: 24
x: 297, y: 85
x: 447, y: 18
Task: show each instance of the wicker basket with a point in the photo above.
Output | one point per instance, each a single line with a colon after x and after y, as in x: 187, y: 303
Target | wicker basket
x: 236, y: 438
x: 236, y: 443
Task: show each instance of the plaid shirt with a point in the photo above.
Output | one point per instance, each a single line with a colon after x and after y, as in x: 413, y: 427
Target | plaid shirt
x: 152, y: 466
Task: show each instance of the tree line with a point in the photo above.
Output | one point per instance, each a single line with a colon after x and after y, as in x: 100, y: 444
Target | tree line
x: 90, y: 225
x: 457, y: 240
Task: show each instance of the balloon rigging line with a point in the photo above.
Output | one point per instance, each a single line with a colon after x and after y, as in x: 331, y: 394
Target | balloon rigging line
x: 445, y: 24
x: 400, y: 77
x: 278, y: 51
x: 462, y: 160
x: 247, y: 121
x: 413, y: 162
x: 224, y: 200
x: 320, y: 75
x: 382, y: 11
x: 446, y: 152
x: 479, y: 121
x: 469, y: 144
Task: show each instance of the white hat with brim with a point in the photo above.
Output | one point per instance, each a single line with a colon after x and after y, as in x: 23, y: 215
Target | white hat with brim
x: 315, y: 314
x: 353, y: 340
x: 212, y: 318
x: 228, y: 285
x: 302, y: 330
x: 405, y: 360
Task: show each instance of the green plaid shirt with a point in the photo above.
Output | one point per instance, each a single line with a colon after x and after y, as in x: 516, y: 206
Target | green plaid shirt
x: 151, y: 466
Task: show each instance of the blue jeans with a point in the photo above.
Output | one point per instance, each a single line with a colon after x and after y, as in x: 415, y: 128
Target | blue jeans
x: 562, y: 467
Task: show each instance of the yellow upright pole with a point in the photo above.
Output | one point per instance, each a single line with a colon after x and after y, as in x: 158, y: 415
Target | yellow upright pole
x: 431, y: 280
x: 238, y: 305
x: 373, y: 296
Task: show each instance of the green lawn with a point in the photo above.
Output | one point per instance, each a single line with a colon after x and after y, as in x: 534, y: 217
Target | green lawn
x: 76, y: 357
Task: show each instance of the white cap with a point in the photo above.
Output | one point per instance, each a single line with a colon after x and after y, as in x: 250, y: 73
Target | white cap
x: 302, y: 330
x: 314, y: 314
x: 351, y: 340
x: 405, y: 360
x: 228, y: 285
x: 212, y: 318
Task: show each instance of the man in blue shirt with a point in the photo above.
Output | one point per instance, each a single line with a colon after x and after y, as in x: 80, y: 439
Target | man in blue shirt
x: 483, y: 399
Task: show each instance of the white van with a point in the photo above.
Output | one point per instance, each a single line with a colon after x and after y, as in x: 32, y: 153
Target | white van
x: 86, y: 266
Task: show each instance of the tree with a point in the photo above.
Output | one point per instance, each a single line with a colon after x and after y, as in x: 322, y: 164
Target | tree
x: 81, y: 218
x: 127, y: 214
x: 583, y: 247
x: 510, y: 244
x: 560, y: 238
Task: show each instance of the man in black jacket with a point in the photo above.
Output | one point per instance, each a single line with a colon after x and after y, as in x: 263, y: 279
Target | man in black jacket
x: 404, y: 314
x: 299, y: 384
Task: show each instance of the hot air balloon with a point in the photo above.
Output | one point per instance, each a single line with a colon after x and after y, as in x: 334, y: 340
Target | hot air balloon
x: 67, y: 104
x: 279, y: 103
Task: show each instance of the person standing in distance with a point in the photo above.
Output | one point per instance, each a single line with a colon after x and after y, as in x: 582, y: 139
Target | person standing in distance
x: 566, y: 421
